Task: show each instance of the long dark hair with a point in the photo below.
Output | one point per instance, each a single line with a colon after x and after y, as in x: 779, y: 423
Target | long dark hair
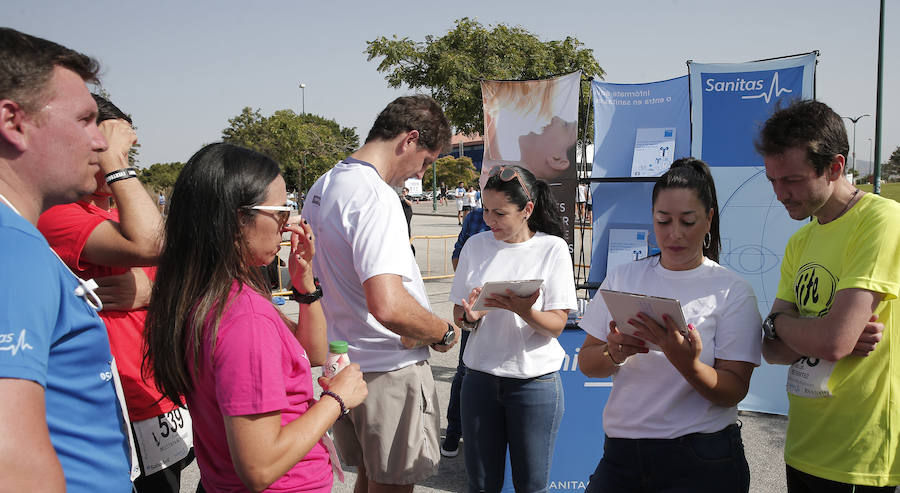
x: 545, y: 217
x: 203, y: 254
x: 694, y: 174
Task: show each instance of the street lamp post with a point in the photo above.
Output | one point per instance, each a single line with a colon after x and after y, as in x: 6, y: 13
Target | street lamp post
x: 303, y: 112
x: 302, y: 98
x: 854, y: 120
x: 870, y: 153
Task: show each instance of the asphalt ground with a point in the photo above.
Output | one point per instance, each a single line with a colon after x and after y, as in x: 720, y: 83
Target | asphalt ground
x: 763, y: 434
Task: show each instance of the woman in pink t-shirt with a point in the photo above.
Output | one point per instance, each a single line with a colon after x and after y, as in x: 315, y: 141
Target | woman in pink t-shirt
x: 215, y: 336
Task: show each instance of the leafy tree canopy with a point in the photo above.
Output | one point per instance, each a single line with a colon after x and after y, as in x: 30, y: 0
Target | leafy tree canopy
x: 892, y: 166
x: 160, y: 176
x: 451, y: 170
x: 289, y: 139
x: 451, y: 66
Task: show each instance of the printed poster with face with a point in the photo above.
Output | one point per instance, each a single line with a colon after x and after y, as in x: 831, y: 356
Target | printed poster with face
x: 534, y: 124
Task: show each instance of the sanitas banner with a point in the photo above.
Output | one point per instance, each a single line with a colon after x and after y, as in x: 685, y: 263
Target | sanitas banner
x: 730, y: 102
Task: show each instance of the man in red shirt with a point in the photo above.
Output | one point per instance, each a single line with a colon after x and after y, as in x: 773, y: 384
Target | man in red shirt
x: 117, y: 247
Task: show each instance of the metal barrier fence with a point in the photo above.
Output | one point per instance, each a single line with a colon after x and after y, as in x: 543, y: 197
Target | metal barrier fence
x: 284, y: 278
x: 443, y: 252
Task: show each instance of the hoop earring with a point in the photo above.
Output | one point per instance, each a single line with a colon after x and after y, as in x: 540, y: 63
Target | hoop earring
x: 706, y: 240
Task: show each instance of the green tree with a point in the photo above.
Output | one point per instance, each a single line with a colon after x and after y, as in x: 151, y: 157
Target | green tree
x: 294, y: 141
x: 451, y: 66
x: 451, y: 170
x: 892, y: 166
x: 160, y: 176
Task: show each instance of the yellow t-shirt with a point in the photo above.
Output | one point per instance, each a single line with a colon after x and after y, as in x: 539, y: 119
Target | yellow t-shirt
x: 853, y: 435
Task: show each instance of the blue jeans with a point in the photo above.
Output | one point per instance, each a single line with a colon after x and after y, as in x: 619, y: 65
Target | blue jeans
x: 454, y: 423
x: 522, y: 414
x: 698, y: 462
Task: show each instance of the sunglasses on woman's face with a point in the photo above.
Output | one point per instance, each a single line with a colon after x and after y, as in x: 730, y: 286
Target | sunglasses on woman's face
x: 507, y: 174
x: 281, y: 213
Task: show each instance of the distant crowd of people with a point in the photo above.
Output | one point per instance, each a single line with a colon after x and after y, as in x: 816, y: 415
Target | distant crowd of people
x: 132, y: 343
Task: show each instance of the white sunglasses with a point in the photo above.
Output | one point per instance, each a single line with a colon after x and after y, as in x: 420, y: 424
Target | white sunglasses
x: 281, y: 213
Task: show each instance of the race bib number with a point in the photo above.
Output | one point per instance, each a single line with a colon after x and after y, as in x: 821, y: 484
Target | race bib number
x: 164, y: 440
x: 808, y: 377
x: 332, y: 453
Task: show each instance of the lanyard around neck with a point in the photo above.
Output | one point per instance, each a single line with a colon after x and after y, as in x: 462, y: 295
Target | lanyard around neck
x: 85, y: 289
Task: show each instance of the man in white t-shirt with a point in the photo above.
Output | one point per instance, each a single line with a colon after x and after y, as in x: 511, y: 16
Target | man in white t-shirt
x: 374, y: 295
x: 460, y: 194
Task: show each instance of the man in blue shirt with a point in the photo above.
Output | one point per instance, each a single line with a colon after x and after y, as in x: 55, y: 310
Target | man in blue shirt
x: 472, y: 225
x: 60, y: 419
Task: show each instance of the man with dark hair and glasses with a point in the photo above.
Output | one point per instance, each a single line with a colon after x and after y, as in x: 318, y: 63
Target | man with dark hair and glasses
x: 117, y: 247
x: 375, y: 298
x: 60, y: 420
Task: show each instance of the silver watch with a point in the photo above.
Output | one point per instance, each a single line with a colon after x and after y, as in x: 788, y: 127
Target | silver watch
x: 449, y: 336
x: 768, y: 326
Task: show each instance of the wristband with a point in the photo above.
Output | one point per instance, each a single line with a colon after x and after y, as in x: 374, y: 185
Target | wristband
x: 120, y: 174
x: 340, y: 401
x: 308, y: 298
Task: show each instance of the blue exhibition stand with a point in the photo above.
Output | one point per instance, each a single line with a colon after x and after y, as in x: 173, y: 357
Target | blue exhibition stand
x: 579, y: 444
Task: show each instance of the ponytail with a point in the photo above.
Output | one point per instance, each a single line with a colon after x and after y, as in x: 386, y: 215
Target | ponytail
x: 545, y: 217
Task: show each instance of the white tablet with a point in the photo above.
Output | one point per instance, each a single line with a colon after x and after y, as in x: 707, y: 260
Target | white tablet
x: 521, y: 288
x: 624, y: 306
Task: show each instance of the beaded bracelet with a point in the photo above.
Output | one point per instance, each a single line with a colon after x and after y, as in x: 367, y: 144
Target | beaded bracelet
x: 340, y: 401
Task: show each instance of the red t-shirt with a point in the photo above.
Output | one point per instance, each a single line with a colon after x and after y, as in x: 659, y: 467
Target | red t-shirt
x: 67, y: 228
x: 258, y: 366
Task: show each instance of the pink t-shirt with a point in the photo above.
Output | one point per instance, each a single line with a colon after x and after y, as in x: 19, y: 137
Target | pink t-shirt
x: 258, y: 366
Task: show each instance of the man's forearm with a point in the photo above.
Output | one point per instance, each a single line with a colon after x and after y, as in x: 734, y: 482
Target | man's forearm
x: 419, y: 324
x: 139, y: 219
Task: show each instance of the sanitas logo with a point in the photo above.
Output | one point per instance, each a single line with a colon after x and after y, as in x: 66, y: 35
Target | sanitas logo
x: 737, y: 85
x: 741, y: 85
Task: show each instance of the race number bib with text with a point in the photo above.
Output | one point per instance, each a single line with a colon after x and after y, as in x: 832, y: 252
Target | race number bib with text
x: 808, y: 377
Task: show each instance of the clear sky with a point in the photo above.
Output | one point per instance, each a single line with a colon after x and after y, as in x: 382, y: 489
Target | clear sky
x: 183, y: 68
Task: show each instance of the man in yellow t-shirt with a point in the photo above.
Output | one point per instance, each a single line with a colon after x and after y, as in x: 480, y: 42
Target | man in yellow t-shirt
x: 836, y: 312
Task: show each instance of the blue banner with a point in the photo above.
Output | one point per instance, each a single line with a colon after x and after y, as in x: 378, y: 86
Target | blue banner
x: 730, y: 101
x: 620, y: 110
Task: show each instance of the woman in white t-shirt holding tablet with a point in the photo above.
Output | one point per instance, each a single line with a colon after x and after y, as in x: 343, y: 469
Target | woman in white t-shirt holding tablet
x: 512, y: 395
x: 671, y: 418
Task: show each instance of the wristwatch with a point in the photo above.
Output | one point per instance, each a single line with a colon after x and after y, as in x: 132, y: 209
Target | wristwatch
x: 464, y: 322
x: 308, y: 298
x: 768, y: 326
x: 449, y: 336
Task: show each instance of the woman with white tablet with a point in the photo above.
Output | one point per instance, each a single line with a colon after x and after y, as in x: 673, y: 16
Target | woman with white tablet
x: 512, y: 395
x: 671, y: 418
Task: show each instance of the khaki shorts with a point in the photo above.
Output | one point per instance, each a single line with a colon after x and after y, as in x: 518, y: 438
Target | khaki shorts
x: 395, y: 432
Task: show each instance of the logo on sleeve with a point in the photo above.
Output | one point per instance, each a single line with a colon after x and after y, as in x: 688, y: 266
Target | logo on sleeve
x: 8, y: 342
x: 814, y: 287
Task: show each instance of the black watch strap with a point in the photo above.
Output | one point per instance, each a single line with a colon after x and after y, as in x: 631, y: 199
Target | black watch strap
x: 308, y: 298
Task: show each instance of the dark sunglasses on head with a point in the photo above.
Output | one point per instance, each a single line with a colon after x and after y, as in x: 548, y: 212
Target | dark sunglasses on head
x: 507, y: 174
